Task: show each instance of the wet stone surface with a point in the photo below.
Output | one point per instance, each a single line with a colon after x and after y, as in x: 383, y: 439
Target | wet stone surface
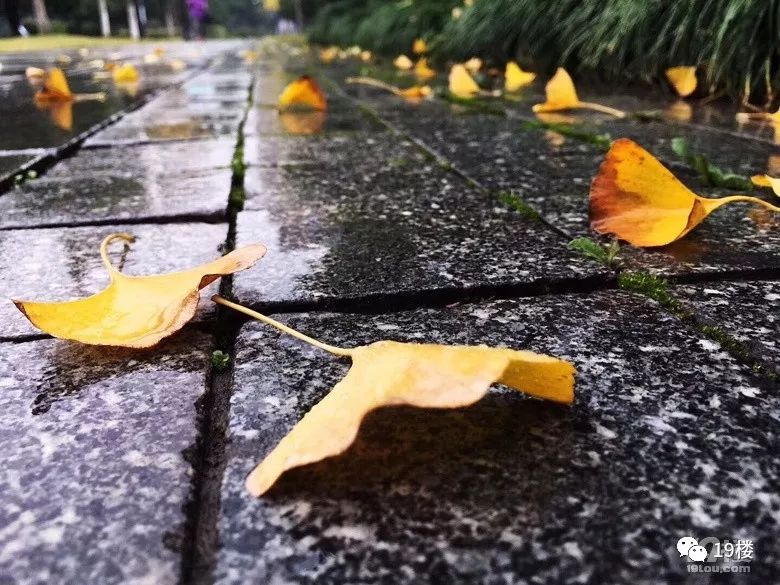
x: 335, y: 234
x: 94, y: 478
x: 747, y: 311
x: 64, y: 263
x: 668, y: 435
x: 104, y: 198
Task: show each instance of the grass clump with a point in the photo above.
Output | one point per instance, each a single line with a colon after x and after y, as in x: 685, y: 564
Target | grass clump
x: 519, y: 205
x: 651, y: 286
x: 709, y: 174
x: 589, y: 248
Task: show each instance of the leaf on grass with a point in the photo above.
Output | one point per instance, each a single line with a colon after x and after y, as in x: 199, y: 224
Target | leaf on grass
x: 423, y: 71
x: 462, y: 84
x: 55, y: 88
x: 134, y: 311
x: 303, y: 93
x: 561, y: 95
x: 767, y: 181
x: 125, y: 73
x: 683, y: 79
x: 419, y: 47
x: 637, y: 199
x: 473, y: 65
x: 515, y: 78
x: 403, y: 63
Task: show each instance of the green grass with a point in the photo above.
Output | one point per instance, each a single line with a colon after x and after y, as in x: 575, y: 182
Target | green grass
x: 519, y: 205
x: 53, y: 42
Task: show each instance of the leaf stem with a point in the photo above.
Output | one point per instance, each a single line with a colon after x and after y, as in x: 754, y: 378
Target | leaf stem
x: 374, y: 83
x: 340, y: 351
x: 603, y: 109
x: 748, y: 199
x: 106, y: 243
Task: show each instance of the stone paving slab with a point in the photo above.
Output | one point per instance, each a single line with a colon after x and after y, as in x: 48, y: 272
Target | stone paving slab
x: 8, y: 164
x: 748, y: 311
x: 668, y: 436
x: 149, y: 160
x: 94, y: 478
x: 64, y: 263
x: 104, y: 198
x: 336, y: 234
x: 264, y: 121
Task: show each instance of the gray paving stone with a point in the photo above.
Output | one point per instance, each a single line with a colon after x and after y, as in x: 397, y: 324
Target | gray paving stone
x: 9, y: 164
x: 336, y: 234
x: 668, y: 436
x: 94, y: 478
x: 149, y: 160
x: 104, y: 198
x: 745, y: 310
x: 58, y: 264
x: 264, y: 121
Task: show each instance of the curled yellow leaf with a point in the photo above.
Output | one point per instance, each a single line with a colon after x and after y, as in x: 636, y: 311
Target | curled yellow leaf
x: 561, y: 95
x: 637, y: 199
x: 303, y: 93
x: 423, y: 71
x: 515, y: 78
x: 389, y: 373
x: 683, y: 79
x: 55, y: 87
x: 419, y: 47
x: 134, y: 311
x: 461, y: 83
x: 767, y: 181
x: 125, y: 73
x: 403, y: 63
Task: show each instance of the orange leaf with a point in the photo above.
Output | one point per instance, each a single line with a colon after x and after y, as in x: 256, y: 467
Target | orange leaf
x: 303, y: 92
x: 461, y: 83
x: 422, y: 71
x: 683, y: 79
x: 55, y: 87
x: 637, y: 199
x: 419, y: 47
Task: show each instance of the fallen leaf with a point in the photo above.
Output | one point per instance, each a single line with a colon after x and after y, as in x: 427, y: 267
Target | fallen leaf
x: 412, y: 94
x: 303, y: 123
x: 151, y: 58
x: 419, y: 47
x: 767, y: 181
x: 61, y: 112
x: 125, y: 73
x: 55, y: 87
x: 637, y: 199
x: 329, y: 54
x: 403, y: 62
x: 389, y: 373
x: 457, y: 12
x: 772, y: 118
x: 461, y: 83
x: 179, y: 65
x: 473, y: 65
x: 683, y: 79
x: 562, y: 95
x: 34, y: 73
x: 366, y: 56
x: 134, y: 311
x: 303, y: 92
x: 422, y: 71
x: 515, y: 78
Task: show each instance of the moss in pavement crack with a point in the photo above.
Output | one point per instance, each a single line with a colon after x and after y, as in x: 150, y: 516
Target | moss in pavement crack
x: 519, y: 205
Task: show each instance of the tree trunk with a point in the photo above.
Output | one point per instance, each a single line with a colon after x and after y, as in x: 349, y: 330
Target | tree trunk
x: 41, y: 16
x: 105, y: 21
x: 170, y: 18
x: 299, y: 14
x: 132, y: 20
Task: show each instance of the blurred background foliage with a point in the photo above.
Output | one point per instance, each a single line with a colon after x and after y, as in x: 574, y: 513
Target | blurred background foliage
x: 736, y: 43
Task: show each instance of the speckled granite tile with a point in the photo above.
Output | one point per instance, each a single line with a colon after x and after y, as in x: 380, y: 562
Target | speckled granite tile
x: 336, y: 234
x: 64, y: 263
x: 668, y: 437
x: 94, y: 478
x: 112, y: 198
x: 748, y: 311
x: 149, y: 160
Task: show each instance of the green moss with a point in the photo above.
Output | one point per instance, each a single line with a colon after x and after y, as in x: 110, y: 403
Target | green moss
x: 589, y: 248
x: 220, y: 360
x: 651, y: 286
x: 519, y: 205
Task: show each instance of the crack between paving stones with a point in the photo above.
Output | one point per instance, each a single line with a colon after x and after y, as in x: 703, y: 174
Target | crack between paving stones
x: 211, y: 218
x: 208, y: 455
x: 51, y: 156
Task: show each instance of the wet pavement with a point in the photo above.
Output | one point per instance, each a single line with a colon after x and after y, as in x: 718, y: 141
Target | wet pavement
x: 435, y: 222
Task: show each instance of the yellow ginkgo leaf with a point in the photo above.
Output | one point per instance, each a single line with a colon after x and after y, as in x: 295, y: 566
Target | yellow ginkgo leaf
x: 303, y: 123
x: 412, y: 94
x: 329, y: 54
x: 125, y: 73
x: 303, y: 93
x: 389, y: 373
x: 461, y: 83
x: 473, y: 65
x: 767, y: 181
x: 366, y: 56
x: 34, y: 73
x: 419, y: 47
x: 637, y: 199
x: 683, y: 79
x: 403, y: 63
x: 562, y: 95
x: 61, y: 112
x: 134, y: 311
x: 55, y: 87
x: 515, y: 78
x: 423, y: 71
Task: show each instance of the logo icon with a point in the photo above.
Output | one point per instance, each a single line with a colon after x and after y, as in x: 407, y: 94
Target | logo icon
x: 685, y: 544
